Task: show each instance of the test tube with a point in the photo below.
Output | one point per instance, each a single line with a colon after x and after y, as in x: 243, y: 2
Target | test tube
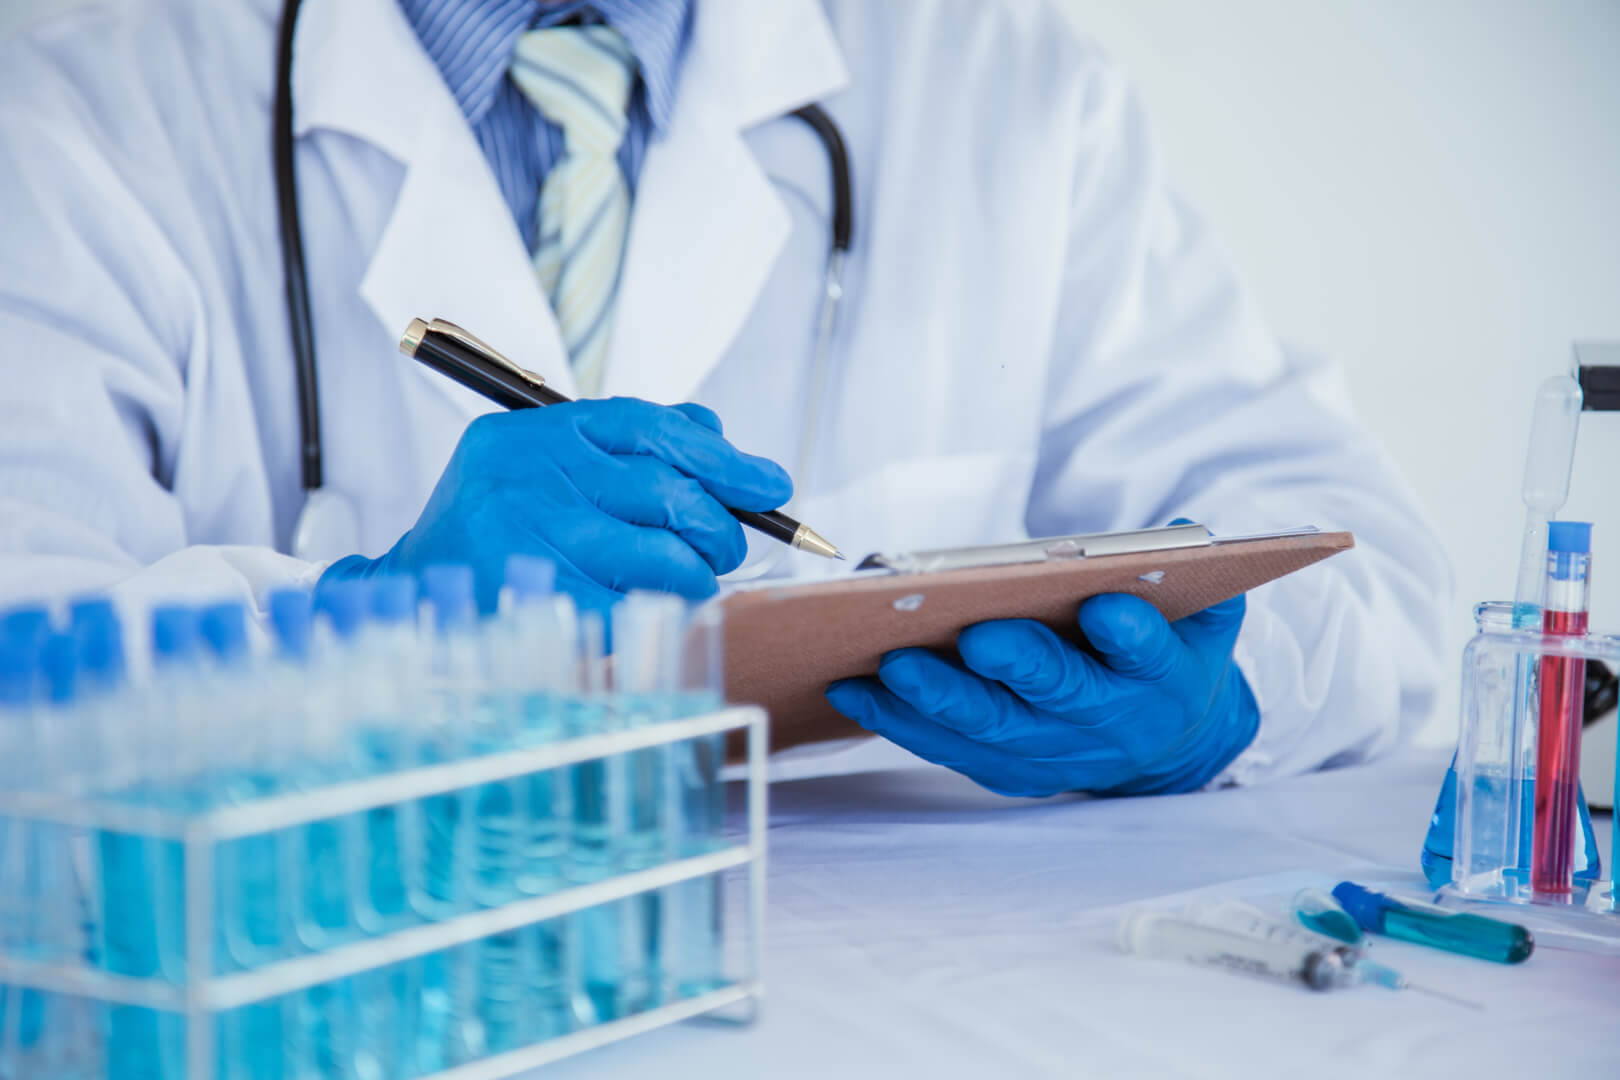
x: 694, y: 909
x: 22, y: 1012
x: 537, y: 672
x: 1563, y: 695
x: 439, y: 882
x: 647, y: 635
x: 452, y: 1032
x: 383, y: 694
x: 1426, y: 924
x: 591, y: 848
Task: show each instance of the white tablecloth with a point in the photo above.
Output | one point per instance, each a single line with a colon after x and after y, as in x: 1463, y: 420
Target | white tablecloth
x: 922, y: 927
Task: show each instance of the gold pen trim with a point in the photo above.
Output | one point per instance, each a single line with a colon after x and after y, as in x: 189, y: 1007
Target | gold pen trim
x: 807, y: 539
x: 411, y: 340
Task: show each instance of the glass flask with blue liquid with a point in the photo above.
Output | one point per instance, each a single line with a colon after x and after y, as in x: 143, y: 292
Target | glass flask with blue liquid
x: 1436, y: 859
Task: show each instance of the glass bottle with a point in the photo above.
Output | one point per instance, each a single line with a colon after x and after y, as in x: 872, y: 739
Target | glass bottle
x: 1496, y: 616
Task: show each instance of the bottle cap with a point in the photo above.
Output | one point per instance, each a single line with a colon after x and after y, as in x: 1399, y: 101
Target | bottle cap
x: 32, y: 623
x: 100, y: 637
x: 59, y: 662
x: 291, y: 614
x: 393, y: 598
x: 19, y: 667
x: 529, y: 577
x: 174, y: 634
x: 90, y: 609
x: 1574, y: 537
x: 1362, y: 904
x: 224, y: 627
x: 345, y: 604
x: 449, y: 588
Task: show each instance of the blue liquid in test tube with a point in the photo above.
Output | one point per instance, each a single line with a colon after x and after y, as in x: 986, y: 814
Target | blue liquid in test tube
x: 252, y: 903
x: 451, y: 1032
x: 141, y: 877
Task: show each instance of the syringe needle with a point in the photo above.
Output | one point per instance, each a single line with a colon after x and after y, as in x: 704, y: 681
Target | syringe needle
x: 1443, y: 996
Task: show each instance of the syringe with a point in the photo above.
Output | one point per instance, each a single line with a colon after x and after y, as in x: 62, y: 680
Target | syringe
x: 1246, y: 919
x: 1166, y: 936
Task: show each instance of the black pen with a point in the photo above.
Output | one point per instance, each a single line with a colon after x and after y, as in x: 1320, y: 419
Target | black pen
x: 450, y: 350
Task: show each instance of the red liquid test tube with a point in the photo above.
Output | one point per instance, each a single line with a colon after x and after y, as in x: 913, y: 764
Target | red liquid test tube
x: 1563, y: 695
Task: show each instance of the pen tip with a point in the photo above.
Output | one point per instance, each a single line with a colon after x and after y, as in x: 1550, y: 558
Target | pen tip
x: 839, y: 555
x: 807, y: 539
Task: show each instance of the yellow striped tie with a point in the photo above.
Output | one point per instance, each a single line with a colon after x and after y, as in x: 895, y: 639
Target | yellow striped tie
x: 579, y: 77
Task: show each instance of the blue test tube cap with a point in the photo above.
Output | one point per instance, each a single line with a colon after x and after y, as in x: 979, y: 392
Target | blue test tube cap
x: 1574, y: 537
x: 1363, y: 905
x: 292, y: 614
x: 449, y: 589
x: 19, y: 668
x: 224, y: 627
x: 345, y: 604
x: 100, y: 637
x: 174, y: 634
x: 30, y: 623
x: 393, y: 598
x: 59, y: 663
x: 530, y: 577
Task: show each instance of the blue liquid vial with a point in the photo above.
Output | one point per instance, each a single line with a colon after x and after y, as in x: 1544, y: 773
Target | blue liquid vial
x: 693, y: 961
x: 592, y: 851
x: 387, y: 1007
x: 323, y: 1039
x: 450, y: 1031
x: 621, y: 956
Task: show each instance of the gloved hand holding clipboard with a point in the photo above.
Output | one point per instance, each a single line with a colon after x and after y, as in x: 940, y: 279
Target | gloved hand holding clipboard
x: 786, y: 643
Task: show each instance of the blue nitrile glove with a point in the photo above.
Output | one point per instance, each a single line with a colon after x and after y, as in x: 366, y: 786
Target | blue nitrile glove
x: 1152, y: 707
x: 621, y: 494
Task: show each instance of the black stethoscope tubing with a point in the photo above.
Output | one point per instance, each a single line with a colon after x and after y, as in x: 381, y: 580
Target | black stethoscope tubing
x: 299, y: 324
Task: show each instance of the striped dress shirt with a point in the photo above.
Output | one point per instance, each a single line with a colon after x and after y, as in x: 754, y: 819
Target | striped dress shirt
x: 470, y: 41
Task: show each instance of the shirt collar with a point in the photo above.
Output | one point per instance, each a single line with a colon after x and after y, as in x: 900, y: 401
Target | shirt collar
x: 471, y: 41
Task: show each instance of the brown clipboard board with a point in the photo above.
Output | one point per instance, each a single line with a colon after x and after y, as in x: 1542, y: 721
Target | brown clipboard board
x: 785, y: 644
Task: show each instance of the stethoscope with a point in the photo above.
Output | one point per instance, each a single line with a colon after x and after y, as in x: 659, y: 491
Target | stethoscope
x: 328, y: 525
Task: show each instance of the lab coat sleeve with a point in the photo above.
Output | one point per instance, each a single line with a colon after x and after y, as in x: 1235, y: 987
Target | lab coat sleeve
x: 104, y: 366
x: 1168, y: 396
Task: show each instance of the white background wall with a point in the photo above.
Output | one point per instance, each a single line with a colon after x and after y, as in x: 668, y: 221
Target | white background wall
x: 1427, y: 191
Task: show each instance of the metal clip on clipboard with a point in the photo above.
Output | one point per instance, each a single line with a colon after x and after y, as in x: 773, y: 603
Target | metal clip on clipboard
x: 1078, y: 546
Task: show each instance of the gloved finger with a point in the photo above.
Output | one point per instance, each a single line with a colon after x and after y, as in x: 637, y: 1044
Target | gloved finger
x: 875, y: 708
x: 1132, y: 638
x: 702, y: 414
x: 945, y: 691
x: 1036, y: 664
x: 646, y: 491
x: 620, y: 556
x: 1212, y: 633
x: 630, y: 426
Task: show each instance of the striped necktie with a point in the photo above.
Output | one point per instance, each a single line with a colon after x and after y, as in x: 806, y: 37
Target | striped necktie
x: 579, y: 77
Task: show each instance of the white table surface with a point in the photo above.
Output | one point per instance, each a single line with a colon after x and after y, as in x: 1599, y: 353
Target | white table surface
x: 920, y: 926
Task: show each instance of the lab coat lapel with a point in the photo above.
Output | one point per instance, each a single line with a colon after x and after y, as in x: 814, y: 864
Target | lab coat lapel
x: 708, y: 225
x: 450, y: 249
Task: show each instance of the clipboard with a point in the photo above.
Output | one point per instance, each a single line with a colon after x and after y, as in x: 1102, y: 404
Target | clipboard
x: 786, y: 641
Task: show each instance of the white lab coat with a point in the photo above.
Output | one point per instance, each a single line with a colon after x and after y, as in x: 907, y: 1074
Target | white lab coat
x: 1038, y: 337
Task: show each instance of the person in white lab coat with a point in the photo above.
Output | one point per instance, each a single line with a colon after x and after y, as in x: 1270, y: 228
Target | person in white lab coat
x: 1038, y: 337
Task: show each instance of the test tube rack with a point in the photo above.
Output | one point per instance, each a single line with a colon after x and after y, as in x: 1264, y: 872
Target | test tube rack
x: 205, y: 995
x: 1496, y: 762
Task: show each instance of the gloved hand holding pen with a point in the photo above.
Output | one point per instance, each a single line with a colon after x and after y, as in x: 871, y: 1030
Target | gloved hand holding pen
x: 1149, y: 706
x: 619, y: 493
